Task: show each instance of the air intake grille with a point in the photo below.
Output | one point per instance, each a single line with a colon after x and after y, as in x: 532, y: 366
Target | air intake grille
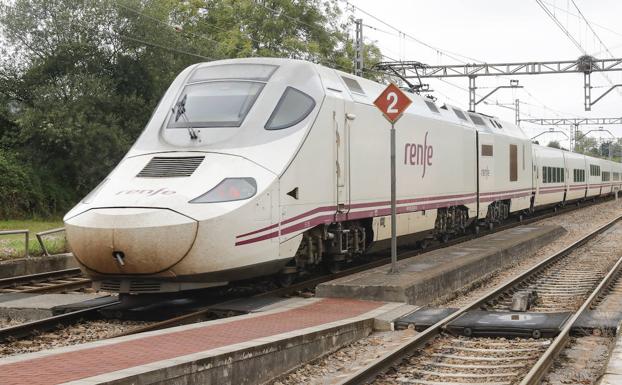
x: 144, y: 287
x: 168, y: 167
x: 130, y: 286
x: 111, y: 285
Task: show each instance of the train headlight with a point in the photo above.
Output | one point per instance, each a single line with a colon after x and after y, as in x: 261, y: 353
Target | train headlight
x: 230, y: 189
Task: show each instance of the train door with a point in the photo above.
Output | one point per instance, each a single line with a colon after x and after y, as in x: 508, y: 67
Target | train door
x: 487, y: 185
x: 342, y: 121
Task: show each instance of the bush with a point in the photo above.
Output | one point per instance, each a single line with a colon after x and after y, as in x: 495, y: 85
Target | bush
x: 24, y: 195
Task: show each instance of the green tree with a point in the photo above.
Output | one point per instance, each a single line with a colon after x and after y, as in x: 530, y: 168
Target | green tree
x: 553, y: 144
x: 79, y: 78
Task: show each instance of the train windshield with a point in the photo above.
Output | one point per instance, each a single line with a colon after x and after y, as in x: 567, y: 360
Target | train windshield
x: 214, y: 104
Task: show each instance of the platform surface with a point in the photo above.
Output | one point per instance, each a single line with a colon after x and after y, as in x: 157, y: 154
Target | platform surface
x: 613, y: 372
x: 426, y: 277
x: 110, y: 360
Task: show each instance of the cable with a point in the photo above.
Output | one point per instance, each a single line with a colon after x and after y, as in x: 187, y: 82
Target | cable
x: 172, y: 27
x: 163, y: 47
x: 559, y: 24
x: 577, y: 16
x: 447, y: 53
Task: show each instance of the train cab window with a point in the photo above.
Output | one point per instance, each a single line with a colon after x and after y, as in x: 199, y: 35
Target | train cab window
x: 353, y: 85
x: 432, y: 106
x: 222, y: 103
x: 486, y: 149
x: 460, y: 115
x: 291, y: 109
x: 261, y: 72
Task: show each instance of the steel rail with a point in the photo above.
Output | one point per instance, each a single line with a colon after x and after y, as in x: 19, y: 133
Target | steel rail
x: 44, y: 282
x: 370, y: 372
x: 54, y: 287
x: 39, y: 277
x: 50, y: 323
x: 541, y: 367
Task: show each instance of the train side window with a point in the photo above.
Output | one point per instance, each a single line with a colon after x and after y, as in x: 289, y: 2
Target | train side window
x: 606, y: 176
x: 486, y: 149
x: 513, y: 163
x: 291, y: 109
x: 563, y: 173
x: 478, y: 120
x: 353, y: 85
x: 432, y: 106
x: 523, y: 155
x: 544, y: 175
x: 460, y: 115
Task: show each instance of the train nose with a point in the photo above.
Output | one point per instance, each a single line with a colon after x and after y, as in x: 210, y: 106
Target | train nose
x: 130, y: 240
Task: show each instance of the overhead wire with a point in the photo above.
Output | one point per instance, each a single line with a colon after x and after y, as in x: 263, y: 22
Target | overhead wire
x: 450, y: 54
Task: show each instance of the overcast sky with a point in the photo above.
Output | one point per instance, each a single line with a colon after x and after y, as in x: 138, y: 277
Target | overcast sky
x: 497, y: 31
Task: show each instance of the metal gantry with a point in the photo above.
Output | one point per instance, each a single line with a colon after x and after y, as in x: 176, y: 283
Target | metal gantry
x: 585, y: 64
x: 574, y: 124
x: 359, y: 44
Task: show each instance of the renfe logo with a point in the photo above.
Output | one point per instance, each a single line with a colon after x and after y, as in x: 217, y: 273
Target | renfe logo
x: 419, y: 154
x: 149, y: 193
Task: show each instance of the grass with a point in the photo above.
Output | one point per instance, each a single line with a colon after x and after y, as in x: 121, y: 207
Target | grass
x: 12, y: 246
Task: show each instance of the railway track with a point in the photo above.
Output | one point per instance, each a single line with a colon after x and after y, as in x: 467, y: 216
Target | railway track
x: 569, y: 281
x: 49, y: 282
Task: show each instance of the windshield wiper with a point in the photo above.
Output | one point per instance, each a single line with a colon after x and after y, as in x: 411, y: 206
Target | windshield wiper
x: 180, y: 111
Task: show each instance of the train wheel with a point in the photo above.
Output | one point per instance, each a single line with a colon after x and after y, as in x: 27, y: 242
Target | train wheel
x: 286, y: 279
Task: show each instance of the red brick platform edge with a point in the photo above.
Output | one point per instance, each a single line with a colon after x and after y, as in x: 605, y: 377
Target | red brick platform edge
x: 89, y: 362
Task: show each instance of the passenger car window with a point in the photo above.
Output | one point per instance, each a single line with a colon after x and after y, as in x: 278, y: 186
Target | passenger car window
x: 291, y: 109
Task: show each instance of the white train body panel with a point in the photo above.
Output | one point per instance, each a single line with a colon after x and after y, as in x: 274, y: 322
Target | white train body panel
x: 550, y: 175
x: 575, y: 176
x: 243, y: 159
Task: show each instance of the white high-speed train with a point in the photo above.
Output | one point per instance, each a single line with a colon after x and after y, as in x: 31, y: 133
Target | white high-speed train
x: 254, y: 167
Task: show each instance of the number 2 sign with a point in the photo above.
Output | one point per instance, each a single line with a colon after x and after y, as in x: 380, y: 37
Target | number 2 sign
x: 392, y: 102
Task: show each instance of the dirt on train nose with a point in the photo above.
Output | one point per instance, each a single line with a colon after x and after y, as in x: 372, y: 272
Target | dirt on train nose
x: 130, y: 240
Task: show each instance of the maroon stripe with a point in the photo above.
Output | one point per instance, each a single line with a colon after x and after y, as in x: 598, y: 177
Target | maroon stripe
x: 507, y: 191
x: 257, y: 239
x: 258, y: 231
x: 553, y: 191
x: 354, y: 206
x: 510, y: 196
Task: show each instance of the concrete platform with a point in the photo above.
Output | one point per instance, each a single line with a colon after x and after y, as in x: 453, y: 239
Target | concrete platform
x: 613, y: 372
x: 35, y: 265
x: 247, y: 349
x: 426, y: 277
x: 31, y: 306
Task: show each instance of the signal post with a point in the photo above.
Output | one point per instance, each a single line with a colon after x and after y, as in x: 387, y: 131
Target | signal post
x: 392, y: 102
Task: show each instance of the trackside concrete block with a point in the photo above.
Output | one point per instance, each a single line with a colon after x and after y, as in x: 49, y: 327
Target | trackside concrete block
x: 426, y: 277
x: 35, y: 265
